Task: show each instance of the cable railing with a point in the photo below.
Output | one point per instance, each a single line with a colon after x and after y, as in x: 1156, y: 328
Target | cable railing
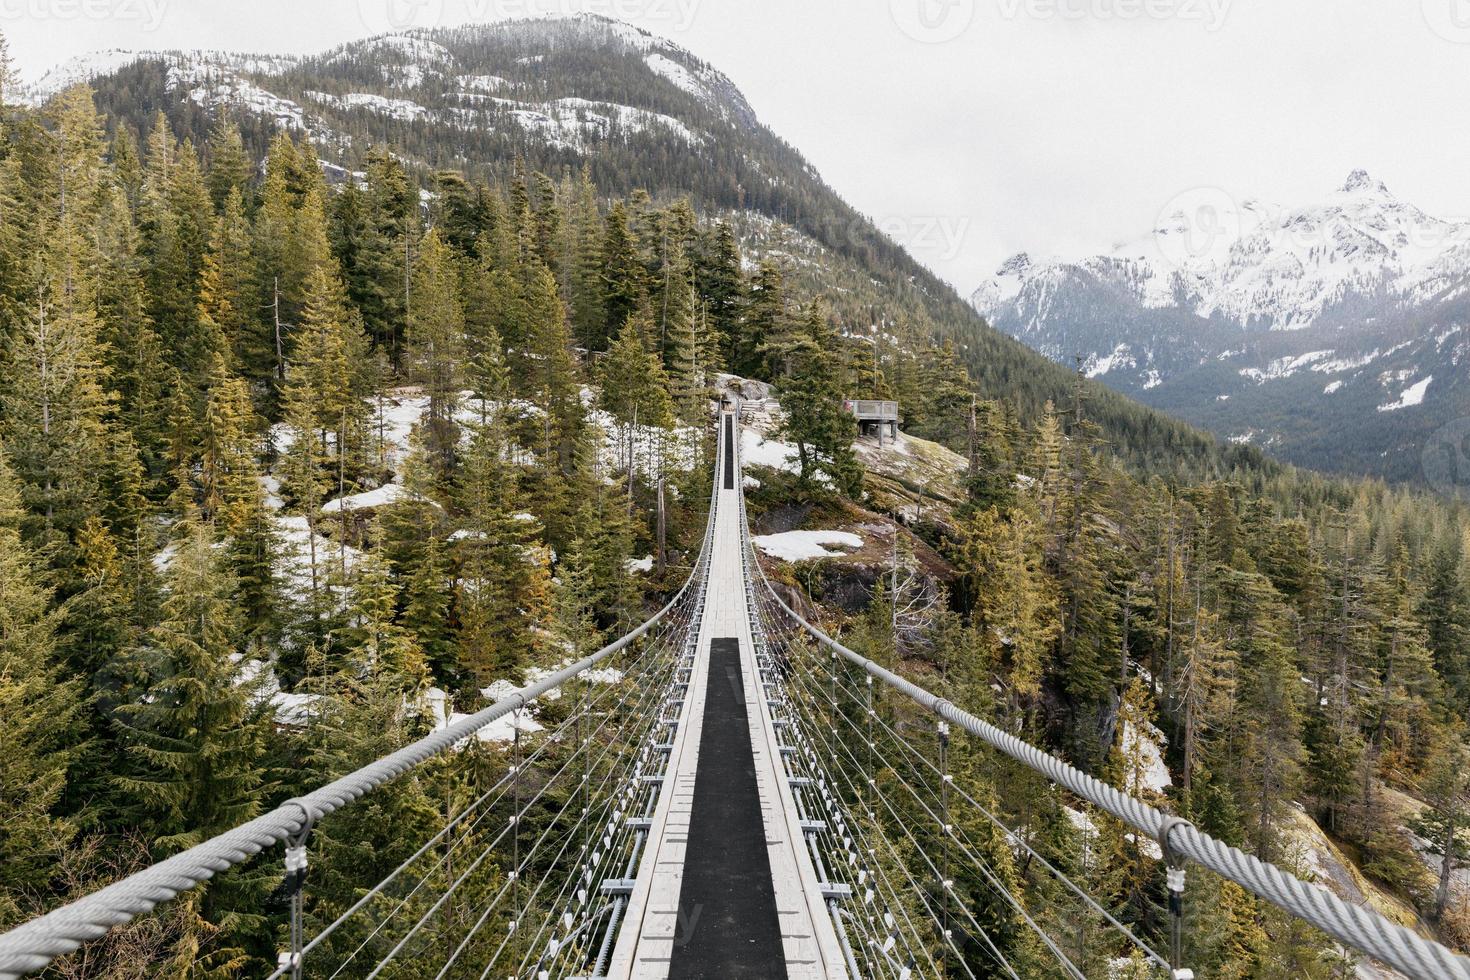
x: 883, y: 773
x: 486, y: 887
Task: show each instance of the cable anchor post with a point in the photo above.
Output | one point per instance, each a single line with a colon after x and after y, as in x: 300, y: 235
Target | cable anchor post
x: 292, y: 888
x: 1174, y: 864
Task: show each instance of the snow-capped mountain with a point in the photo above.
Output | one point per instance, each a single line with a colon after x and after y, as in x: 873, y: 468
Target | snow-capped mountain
x: 435, y: 78
x: 1333, y: 333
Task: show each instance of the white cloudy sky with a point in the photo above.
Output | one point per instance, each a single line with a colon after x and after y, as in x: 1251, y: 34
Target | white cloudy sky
x: 976, y: 128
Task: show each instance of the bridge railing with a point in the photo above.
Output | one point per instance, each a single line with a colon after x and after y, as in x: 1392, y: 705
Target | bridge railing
x: 33, y: 945
x: 1180, y: 844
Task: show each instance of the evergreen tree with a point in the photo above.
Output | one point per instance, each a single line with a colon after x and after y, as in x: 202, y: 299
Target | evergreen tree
x: 41, y: 713
x: 436, y: 341
x: 623, y: 275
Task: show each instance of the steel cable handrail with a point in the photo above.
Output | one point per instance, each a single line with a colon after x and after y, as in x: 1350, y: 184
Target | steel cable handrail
x: 1357, y: 928
x: 32, y: 945
x: 1365, y: 931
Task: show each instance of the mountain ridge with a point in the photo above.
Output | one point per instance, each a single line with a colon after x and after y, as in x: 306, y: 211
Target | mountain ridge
x: 1230, y: 313
x: 563, y: 94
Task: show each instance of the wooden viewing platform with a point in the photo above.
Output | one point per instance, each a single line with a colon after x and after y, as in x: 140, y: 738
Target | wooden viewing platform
x: 873, y: 416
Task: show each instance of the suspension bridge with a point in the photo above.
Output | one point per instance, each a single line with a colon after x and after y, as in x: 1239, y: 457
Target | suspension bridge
x: 726, y: 791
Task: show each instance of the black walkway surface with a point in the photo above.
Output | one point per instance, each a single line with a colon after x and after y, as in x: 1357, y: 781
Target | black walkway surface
x: 729, y: 452
x: 728, y: 925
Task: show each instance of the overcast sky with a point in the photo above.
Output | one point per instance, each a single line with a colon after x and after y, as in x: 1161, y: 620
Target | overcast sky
x: 972, y: 129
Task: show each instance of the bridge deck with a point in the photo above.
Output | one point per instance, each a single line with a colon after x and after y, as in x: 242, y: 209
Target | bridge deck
x: 713, y: 918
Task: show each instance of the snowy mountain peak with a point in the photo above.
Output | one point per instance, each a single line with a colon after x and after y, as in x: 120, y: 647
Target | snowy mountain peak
x: 1244, y: 316
x: 1361, y: 182
x: 1017, y: 265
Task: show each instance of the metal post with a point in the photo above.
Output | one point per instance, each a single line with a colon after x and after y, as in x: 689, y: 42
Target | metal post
x: 1174, y: 864
x: 293, y: 886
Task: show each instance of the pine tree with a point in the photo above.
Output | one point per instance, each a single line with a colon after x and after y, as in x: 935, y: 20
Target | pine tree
x: 504, y: 578
x: 812, y: 396
x: 721, y: 282
x: 634, y: 389
x: 623, y: 275
x: 436, y: 342
x: 227, y: 300
x: 55, y: 419
x: 195, y: 740
x: 759, y: 345
x: 229, y: 165
x: 40, y: 712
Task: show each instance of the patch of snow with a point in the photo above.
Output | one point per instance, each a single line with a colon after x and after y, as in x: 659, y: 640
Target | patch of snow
x: 293, y: 710
x: 413, y: 48
x: 573, y: 122
x: 682, y: 77
x: 435, y: 703
x: 1096, y: 366
x: 644, y: 564
x: 795, y: 546
x: 757, y: 450
x: 82, y: 68
x: 482, y: 83
x: 383, y: 496
x: 1332, y: 388
x: 1412, y: 395
x: 400, y: 109
x: 1147, y: 747
x: 1284, y: 367
x: 209, y: 86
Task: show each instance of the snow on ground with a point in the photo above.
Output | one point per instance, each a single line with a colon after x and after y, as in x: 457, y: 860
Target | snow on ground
x: 209, y: 86
x: 653, y: 448
x: 1148, y: 748
x: 482, y: 83
x: 294, y: 562
x: 678, y: 74
x: 412, y: 48
x: 400, y: 109
x: 759, y: 450
x: 293, y: 710
x: 82, y: 68
x: 1332, y: 388
x: 503, y: 729
x: 1284, y: 367
x: 570, y: 123
x: 1412, y: 395
x: 1120, y: 357
x: 381, y: 497
x: 644, y: 564
x: 805, y: 545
